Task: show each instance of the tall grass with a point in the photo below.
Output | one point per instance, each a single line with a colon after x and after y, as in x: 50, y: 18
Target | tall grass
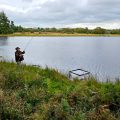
x: 32, y: 93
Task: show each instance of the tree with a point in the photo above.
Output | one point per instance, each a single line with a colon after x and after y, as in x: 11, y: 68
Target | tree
x: 4, y: 24
x: 12, y: 27
x: 53, y: 30
x: 67, y: 30
x: 99, y: 30
x: 20, y: 29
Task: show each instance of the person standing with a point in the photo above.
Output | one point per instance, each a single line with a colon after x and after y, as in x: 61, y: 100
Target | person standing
x: 19, y: 55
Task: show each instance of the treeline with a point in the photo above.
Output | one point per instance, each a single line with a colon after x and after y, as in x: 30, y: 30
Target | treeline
x: 97, y: 30
x: 8, y: 27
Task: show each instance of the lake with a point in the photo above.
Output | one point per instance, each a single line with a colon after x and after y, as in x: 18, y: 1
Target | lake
x: 98, y: 55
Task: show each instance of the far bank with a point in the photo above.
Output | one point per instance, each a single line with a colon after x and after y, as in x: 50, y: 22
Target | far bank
x: 49, y: 34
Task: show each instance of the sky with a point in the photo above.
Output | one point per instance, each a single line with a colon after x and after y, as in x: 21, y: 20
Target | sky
x: 63, y: 13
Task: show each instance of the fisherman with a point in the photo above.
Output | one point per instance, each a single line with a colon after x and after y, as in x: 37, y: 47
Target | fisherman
x: 19, y: 55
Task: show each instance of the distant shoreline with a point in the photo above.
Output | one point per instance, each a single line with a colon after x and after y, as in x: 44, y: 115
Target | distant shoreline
x: 58, y: 35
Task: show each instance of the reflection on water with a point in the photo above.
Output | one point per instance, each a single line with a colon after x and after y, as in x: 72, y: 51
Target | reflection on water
x: 3, y: 42
x: 99, y: 55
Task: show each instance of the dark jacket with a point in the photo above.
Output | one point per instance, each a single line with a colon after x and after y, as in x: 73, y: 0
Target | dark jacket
x: 19, y: 56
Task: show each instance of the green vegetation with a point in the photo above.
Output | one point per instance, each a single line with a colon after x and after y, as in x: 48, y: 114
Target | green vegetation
x: 5, y: 26
x: 32, y: 93
x: 8, y: 27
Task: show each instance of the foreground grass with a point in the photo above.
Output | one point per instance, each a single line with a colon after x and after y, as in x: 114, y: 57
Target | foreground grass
x: 31, y: 93
x: 57, y: 34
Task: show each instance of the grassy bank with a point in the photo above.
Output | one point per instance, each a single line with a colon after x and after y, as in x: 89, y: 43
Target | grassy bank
x: 57, y: 34
x: 31, y: 93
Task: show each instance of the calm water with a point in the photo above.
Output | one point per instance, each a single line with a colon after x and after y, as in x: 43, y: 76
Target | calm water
x: 99, y: 55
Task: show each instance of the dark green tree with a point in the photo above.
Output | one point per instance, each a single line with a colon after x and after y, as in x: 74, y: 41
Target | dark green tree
x: 99, y: 30
x: 12, y: 27
x: 4, y: 24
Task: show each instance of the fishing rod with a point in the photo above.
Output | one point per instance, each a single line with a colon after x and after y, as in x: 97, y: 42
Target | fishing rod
x: 28, y: 44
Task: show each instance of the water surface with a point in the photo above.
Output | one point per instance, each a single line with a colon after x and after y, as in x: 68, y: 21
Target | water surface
x: 99, y: 55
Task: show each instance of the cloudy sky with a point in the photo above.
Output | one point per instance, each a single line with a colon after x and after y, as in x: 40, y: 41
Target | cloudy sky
x: 63, y: 13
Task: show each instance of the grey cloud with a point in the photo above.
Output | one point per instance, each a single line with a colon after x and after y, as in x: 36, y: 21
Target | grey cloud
x: 27, y: 0
x: 62, y: 12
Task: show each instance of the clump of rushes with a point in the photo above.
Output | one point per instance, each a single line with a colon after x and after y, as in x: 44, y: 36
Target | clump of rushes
x: 32, y: 93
